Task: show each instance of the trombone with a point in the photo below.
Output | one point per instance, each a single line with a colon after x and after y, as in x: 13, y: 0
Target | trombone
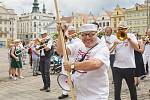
x: 47, y: 38
x: 122, y: 34
x: 146, y: 39
x: 42, y: 43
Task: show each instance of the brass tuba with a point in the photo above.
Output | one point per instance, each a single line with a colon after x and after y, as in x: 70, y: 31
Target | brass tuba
x: 121, y: 35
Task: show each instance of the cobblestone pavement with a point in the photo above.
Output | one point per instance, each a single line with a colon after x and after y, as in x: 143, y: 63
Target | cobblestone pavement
x: 28, y: 88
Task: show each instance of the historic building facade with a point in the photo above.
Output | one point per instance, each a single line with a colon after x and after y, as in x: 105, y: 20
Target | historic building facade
x: 8, y: 25
x: 117, y: 15
x: 30, y: 25
x: 104, y: 20
x: 137, y: 18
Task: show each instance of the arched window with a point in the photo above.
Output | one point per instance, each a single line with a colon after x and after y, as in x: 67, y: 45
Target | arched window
x: 117, y: 13
x: 102, y: 18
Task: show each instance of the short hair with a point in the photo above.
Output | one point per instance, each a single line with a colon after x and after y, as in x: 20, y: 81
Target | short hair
x: 108, y: 28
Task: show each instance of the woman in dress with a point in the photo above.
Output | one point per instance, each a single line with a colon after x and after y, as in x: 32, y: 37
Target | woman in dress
x: 16, y: 62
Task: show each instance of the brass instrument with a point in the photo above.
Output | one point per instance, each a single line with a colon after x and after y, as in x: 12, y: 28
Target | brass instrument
x: 121, y: 35
x: 41, y: 39
x: 147, y: 39
x: 41, y: 44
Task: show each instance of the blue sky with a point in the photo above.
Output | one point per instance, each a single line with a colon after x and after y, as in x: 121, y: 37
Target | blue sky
x: 68, y: 6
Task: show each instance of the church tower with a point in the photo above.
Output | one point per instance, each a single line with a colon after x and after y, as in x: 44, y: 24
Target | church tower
x: 35, y: 8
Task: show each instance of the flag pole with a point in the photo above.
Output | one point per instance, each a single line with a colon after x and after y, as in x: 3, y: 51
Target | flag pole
x: 72, y: 92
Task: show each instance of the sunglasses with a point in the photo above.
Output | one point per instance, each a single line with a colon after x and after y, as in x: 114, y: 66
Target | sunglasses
x: 90, y: 34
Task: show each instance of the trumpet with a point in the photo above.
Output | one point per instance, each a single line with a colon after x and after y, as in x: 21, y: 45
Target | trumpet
x: 121, y: 35
x: 147, y: 39
x: 47, y: 38
x: 42, y: 43
x: 41, y: 47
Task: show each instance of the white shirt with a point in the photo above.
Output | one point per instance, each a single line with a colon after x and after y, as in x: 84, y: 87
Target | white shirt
x: 93, y: 85
x: 73, y: 40
x: 124, y: 57
x: 147, y: 49
x: 110, y: 41
x: 71, y: 58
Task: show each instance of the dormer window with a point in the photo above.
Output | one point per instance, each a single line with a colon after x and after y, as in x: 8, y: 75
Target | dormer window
x: 117, y: 13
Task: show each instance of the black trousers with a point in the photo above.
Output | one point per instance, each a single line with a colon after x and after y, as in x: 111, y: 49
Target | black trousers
x: 128, y: 75
x: 112, y: 59
x: 44, y: 68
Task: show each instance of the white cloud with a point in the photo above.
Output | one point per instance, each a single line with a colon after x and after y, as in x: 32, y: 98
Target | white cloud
x: 68, y: 6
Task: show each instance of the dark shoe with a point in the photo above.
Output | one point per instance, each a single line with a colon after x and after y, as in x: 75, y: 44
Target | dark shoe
x: 42, y: 89
x: 63, y: 96
x: 143, y: 77
x: 47, y: 90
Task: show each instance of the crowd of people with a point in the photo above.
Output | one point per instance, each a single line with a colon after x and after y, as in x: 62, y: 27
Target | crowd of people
x: 89, y: 58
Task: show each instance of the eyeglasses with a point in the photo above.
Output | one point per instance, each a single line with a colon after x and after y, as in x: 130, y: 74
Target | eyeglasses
x: 90, y: 34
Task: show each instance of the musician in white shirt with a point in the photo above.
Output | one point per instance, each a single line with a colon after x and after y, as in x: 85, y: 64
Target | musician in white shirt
x: 124, y: 64
x: 111, y: 42
x: 71, y: 38
x: 46, y: 50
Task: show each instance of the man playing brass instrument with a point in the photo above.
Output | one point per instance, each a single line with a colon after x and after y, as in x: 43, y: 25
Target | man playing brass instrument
x: 45, y: 55
x: 124, y: 64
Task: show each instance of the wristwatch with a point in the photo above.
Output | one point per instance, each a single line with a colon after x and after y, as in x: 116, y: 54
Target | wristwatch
x: 73, y: 66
